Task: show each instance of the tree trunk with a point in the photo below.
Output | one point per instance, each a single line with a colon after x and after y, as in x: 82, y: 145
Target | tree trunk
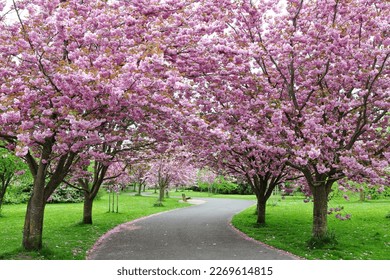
x: 2, y: 193
x: 362, y: 195
x: 261, y: 206
x: 109, y: 202
x: 161, y: 194
x: 117, y: 202
x: 263, y: 188
x: 320, y: 209
x: 87, y: 212
x: 4, y: 185
x: 113, y: 202
x: 33, y: 224
x: 139, y: 188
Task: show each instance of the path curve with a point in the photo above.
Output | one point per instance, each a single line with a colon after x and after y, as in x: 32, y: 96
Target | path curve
x: 199, y: 232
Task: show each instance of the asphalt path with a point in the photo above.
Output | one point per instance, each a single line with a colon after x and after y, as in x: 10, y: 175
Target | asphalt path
x: 199, y: 232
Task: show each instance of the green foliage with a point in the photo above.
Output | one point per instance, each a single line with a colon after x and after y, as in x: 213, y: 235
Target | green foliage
x: 369, y: 192
x: 9, y: 165
x: 15, y: 179
x: 372, y: 193
x: 66, y: 194
x: 19, y: 192
x: 243, y: 188
x: 223, y: 185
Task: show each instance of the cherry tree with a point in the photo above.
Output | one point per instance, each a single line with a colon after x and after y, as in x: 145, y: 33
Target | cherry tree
x: 167, y: 172
x: 139, y: 175
x: 75, y: 75
x: 206, y: 176
x: 324, y: 66
x: 242, y: 136
x: 53, y: 96
x: 233, y: 124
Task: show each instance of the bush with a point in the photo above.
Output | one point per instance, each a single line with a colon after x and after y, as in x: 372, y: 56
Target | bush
x: 222, y: 185
x: 17, y: 194
x: 66, y: 194
x: 373, y: 193
x: 244, y: 188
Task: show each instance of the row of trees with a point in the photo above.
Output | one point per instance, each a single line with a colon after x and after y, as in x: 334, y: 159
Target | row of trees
x: 268, y: 92
x: 297, y: 91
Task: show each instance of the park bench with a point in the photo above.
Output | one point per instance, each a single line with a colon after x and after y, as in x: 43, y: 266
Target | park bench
x: 183, y: 195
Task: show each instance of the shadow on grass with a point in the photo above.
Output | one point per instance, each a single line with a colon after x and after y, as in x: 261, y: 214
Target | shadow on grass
x: 21, y: 254
x: 256, y: 225
x: 326, y: 242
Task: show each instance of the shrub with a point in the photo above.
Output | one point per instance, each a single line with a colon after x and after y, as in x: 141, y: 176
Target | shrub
x: 373, y: 193
x: 244, y: 188
x: 66, y: 194
x: 18, y: 193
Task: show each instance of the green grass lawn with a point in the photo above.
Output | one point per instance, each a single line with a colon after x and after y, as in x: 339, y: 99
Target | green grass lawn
x: 366, y: 236
x: 64, y: 237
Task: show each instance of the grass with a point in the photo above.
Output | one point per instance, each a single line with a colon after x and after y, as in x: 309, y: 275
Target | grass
x: 366, y: 236
x: 64, y: 237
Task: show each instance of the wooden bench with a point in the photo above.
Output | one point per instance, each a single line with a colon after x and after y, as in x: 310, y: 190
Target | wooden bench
x: 183, y: 195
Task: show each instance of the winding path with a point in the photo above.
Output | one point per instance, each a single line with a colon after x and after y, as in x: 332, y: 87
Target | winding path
x: 198, y: 232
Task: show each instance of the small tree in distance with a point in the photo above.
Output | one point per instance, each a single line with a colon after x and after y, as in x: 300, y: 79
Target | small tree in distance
x: 169, y: 172
x: 10, y: 167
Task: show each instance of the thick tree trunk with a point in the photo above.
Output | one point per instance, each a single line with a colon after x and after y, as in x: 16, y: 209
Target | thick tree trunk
x: 261, y: 207
x: 87, y: 210
x: 263, y: 188
x: 320, y: 209
x: 139, y: 188
x: 33, y: 224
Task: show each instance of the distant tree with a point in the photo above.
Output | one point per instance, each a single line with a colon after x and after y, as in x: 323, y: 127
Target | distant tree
x: 10, y: 166
x: 169, y: 172
x: 139, y: 175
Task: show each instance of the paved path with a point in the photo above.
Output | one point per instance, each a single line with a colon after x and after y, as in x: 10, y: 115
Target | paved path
x: 198, y: 232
